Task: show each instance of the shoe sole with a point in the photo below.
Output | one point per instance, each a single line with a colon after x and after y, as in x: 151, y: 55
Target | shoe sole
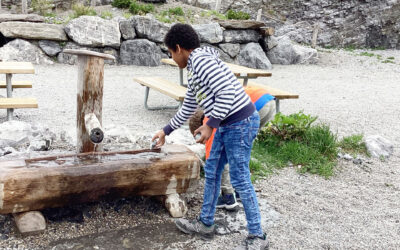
x: 203, y: 236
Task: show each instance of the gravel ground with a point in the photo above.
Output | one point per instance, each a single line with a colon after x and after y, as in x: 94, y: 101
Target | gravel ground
x: 358, y: 208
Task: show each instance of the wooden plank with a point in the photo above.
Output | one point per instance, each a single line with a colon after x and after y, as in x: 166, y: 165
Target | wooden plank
x: 16, y: 68
x: 17, y: 84
x: 6, y: 103
x: 279, y: 94
x: 40, y: 185
x: 236, y: 69
x: 83, y: 52
x: 166, y: 87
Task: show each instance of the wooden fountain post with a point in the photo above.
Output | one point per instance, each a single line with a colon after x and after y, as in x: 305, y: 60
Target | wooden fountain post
x: 89, y: 99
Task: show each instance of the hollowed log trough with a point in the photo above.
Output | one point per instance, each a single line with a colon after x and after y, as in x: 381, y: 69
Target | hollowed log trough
x: 34, y: 184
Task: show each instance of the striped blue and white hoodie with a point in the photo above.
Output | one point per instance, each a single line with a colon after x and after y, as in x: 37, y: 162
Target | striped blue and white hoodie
x: 213, y: 86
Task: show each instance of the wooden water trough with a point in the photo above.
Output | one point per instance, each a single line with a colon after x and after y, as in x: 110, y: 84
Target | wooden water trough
x: 53, y: 181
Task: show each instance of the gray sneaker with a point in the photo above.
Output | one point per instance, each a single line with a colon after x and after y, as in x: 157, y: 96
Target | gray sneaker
x: 257, y: 243
x: 195, y: 226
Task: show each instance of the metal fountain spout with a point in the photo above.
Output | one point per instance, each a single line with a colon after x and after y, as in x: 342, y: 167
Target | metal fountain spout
x: 89, y: 99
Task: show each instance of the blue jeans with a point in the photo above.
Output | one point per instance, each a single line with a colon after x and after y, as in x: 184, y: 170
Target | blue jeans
x: 232, y: 144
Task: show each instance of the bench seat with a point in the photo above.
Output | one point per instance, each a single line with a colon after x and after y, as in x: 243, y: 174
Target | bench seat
x: 17, y: 84
x: 279, y: 94
x: 166, y: 87
x: 11, y: 103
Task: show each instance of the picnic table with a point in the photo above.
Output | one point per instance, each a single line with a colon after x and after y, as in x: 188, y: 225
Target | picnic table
x: 9, y: 103
x: 240, y: 72
x: 178, y: 91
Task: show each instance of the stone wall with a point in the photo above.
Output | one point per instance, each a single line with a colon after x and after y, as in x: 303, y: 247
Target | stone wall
x: 360, y: 23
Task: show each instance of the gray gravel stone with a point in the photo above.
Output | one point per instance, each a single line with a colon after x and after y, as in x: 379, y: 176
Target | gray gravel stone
x: 148, y: 27
x: 209, y: 33
x: 23, y: 51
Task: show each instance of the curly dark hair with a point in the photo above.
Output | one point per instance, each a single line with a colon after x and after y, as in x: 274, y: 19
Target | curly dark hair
x: 183, y: 35
x: 196, y: 120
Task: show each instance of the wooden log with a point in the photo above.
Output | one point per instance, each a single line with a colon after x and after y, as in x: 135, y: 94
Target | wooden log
x: 24, y: 7
x: 93, y: 128
x: 34, y: 184
x: 315, y: 36
x: 31, y: 222
x: 90, y: 95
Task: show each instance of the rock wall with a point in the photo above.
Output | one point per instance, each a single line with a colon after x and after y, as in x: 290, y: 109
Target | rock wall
x: 359, y: 23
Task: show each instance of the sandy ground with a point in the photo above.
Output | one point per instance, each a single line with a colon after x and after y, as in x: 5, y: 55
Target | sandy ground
x: 358, y: 208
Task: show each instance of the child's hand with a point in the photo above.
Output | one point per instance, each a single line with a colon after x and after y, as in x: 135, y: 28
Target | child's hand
x: 205, y: 132
x: 160, y: 135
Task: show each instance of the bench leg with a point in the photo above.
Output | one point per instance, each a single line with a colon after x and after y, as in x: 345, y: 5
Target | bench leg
x: 9, y: 95
x: 277, y: 106
x: 146, y: 97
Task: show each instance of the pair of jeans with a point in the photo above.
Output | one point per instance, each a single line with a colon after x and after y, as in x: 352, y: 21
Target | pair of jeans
x: 232, y: 144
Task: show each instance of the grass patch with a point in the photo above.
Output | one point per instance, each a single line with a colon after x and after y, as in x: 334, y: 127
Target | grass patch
x: 140, y: 9
x: 82, y: 10
x: 388, y: 61
x: 365, y: 53
x: 294, y: 140
x: 350, y: 48
x: 122, y: 4
x: 353, y: 144
x: 390, y: 58
x: 42, y: 6
x: 106, y: 15
x: 127, y: 15
x: 237, y: 15
x: 172, y: 15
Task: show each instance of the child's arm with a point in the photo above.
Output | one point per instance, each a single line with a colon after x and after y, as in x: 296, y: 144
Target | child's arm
x: 189, y: 106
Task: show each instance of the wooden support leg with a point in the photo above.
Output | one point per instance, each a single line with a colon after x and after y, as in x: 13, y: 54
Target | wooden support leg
x: 175, y: 205
x: 31, y: 222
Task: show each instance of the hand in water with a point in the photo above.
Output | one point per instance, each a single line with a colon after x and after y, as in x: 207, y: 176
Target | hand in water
x: 160, y: 135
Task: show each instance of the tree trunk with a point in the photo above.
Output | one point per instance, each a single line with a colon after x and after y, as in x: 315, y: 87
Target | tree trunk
x: 34, y: 184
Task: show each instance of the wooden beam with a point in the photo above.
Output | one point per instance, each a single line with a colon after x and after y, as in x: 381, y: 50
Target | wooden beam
x: 34, y: 184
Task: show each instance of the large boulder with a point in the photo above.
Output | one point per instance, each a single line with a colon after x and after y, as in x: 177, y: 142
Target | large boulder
x: 148, y: 27
x: 379, y: 146
x: 23, y: 51
x: 241, y: 36
x: 252, y: 55
x: 127, y: 28
x: 94, y: 31
x: 35, y: 31
x: 140, y: 52
x: 287, y: 52
x: 51, y: 48
x: 232, y: 49
x: 209, y: 33
x: 21, y: 17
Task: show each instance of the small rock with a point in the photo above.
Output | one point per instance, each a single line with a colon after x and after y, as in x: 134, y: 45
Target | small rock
x: 379, y: 146
x: 358, y: 161
x: 51, y: 48
x: 347, y: 157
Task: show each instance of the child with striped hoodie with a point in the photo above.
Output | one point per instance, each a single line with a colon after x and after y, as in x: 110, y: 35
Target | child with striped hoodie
x: 213, y: 86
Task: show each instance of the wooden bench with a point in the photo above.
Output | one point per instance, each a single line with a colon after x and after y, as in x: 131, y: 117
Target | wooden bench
x: 279, y: 94
x: 7, y: 103
x: 16, y: 84
x: 166, y: 87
